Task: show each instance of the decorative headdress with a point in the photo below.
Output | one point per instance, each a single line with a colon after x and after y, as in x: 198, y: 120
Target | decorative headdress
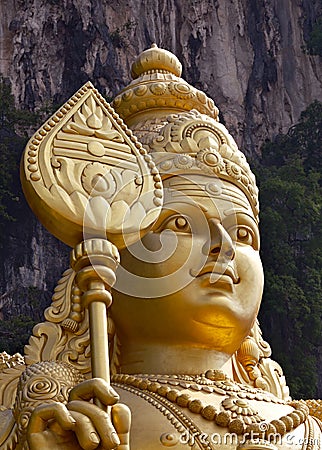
x: 179, y: 125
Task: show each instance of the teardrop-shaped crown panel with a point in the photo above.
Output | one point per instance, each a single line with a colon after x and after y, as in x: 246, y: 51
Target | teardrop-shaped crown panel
x: 85, y: 174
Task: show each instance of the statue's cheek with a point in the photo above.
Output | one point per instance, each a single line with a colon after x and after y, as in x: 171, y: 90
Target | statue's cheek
x: 251, y: 278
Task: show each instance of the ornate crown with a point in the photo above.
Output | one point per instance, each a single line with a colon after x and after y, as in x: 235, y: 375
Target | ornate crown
x: 157, y: 86
x: 179, y: 125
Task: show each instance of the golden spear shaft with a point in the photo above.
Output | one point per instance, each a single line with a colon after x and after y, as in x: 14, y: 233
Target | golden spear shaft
x: 95, y: 261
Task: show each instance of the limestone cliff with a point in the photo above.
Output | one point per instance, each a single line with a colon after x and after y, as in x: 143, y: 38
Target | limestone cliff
x: 248, y: 55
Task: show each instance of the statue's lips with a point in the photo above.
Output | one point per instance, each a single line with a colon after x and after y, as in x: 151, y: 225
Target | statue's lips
x: 217, y: 273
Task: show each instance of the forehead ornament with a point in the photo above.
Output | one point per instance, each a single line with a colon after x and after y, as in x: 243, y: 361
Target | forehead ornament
x: 213, y: 188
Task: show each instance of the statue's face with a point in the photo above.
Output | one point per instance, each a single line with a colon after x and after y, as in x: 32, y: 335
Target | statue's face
x: 197, y: 278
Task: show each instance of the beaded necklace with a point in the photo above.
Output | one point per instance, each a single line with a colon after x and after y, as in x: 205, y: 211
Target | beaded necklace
x: 236, y: 413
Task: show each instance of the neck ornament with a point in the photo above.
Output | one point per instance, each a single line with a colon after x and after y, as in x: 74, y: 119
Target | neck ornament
x: 235, y: 412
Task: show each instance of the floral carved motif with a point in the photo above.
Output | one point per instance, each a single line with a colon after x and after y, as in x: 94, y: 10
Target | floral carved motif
x: 87, y: 170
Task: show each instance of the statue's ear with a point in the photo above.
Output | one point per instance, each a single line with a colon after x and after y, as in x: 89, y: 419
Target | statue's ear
x: 253, y: 366
x: 85, y: 174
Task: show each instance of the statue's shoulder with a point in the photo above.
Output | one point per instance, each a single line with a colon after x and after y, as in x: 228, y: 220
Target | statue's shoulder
x: 25, y: 387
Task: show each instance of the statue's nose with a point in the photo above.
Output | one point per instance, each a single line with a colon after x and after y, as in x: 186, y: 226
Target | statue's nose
x: 220, y: 244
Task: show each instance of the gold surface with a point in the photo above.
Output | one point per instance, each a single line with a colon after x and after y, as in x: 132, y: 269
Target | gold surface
x: 85, y: 175
x: 95, y: 262
x: 157, y: 87
x: 185, y: 348
x: 205, y: 283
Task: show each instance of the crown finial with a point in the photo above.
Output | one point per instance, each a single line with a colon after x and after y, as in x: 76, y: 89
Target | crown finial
x: 156, y: 59
x: 158, y: 90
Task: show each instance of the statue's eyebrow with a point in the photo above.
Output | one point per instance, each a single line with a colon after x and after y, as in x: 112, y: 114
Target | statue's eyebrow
x: 167, y: 206
x: 231, y: 211
x: 178, y: 188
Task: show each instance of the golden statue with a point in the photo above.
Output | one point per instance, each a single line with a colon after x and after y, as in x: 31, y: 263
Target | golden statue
x: 177, y: 358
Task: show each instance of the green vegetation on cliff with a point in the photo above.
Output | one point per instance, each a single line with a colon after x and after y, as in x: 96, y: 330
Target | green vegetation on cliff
x: 14, y: 125
x: 314, y: 43
x: 290, y: 181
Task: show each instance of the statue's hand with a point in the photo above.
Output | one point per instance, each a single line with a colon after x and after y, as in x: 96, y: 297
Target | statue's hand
x: 80, y: 424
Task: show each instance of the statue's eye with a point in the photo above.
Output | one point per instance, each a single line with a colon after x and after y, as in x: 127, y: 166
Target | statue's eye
x: 243, y: 229
x: 178, y: 224
x: 246, y: 235
x: 243, y: 234
x: 181, y: 223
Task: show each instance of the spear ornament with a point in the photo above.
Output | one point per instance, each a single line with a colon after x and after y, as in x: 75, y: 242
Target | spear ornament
x: 93, y: 186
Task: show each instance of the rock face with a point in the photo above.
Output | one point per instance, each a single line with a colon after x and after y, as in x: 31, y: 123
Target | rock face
x: 245, y: 54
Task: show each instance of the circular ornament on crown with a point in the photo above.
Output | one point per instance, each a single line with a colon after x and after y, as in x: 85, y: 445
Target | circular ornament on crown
x: 181, y: 90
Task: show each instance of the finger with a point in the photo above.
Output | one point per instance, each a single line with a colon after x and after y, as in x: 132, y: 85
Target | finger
x: 121, y: 418
x: 85, y: 431
x: 94, y: 388
x: 101, y: 421
x: 42, y: 414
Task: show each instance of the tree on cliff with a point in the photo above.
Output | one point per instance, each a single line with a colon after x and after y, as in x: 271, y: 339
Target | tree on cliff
x: 14, y: 125
x: 290, y: 179
x: 314, y: 43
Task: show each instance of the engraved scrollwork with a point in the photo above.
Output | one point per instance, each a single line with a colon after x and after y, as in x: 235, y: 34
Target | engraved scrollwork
x: 241, y: 409
x: 8, y: 383
x: 253, y: 365
x: 85, y: 155
x: 42, y: 383
x: 157, y: 83
x: 47, y: 342
x: 181, y: 90
x: 210, y: 160
x: 140, y: 90
x: 90, y: 120
x: 54, y: 341
x: 97, y: 180
x: 209, y: 144
x: 77, y: 350
x: 158, y: 88
x: 61, y: 300
x: 40, y: 387
x: 233, y: 170
x: 183, y: 162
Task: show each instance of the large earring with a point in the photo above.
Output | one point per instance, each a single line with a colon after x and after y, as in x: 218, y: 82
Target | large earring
x: 249, y: 355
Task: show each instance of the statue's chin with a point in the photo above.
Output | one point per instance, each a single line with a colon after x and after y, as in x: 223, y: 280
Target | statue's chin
x: 209, y: 316
x: 221, y: 329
